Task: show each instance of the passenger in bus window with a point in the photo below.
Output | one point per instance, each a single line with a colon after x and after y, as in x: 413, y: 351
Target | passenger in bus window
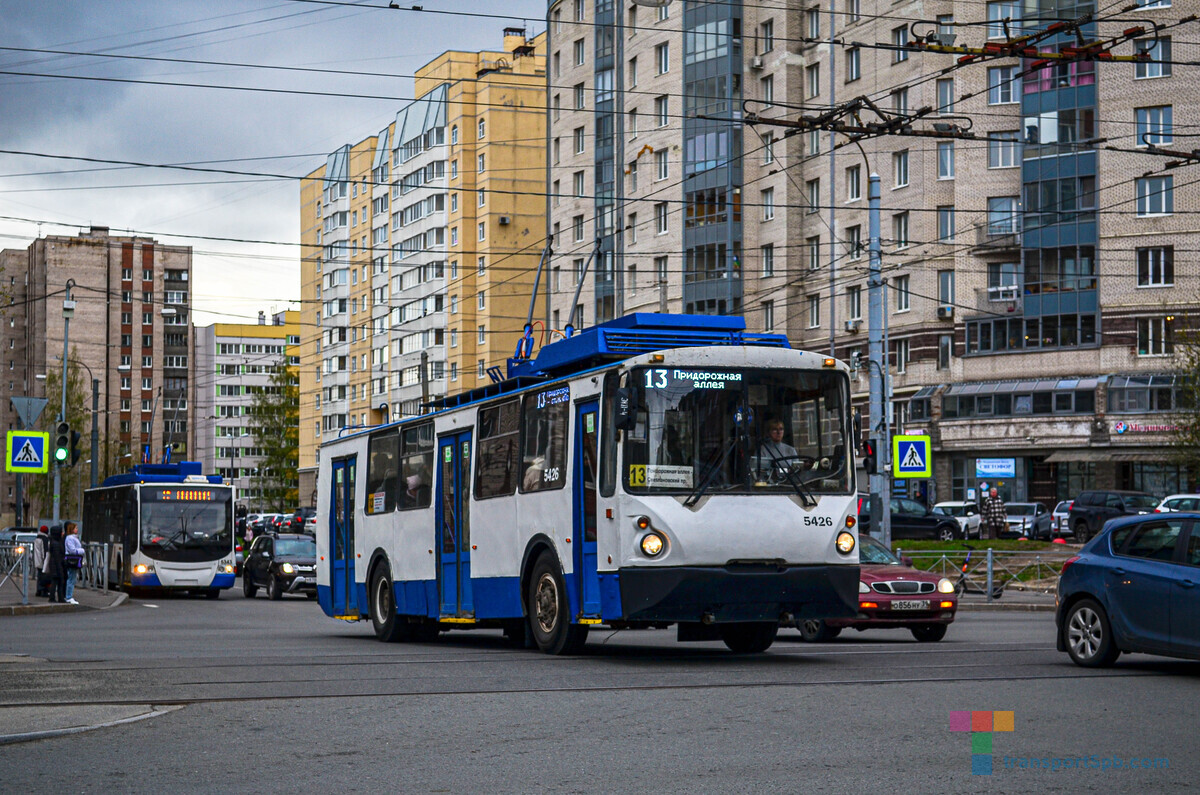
x: 417, y: 491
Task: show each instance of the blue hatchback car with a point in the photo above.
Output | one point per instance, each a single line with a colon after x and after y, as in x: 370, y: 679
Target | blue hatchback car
x: 1133, y: 588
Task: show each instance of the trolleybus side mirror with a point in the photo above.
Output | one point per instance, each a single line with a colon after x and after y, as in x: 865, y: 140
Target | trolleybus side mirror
x: 626, y: 410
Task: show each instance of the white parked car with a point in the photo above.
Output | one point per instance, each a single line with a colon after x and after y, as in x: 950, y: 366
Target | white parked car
x: 1179, y: 502
x: 967, y: 514
x: 1060, y: 526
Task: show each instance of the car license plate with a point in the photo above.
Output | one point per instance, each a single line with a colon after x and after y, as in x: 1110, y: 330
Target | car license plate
x: 910, y: 604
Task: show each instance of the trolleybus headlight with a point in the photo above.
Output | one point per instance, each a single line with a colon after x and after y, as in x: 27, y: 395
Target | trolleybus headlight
x: 143, y: 568
x: 945, y: 586
x: 863, y: 587
x: 287, y: 568
x: 227, y: 568
x: 653, y: 544
x: 845, y: 542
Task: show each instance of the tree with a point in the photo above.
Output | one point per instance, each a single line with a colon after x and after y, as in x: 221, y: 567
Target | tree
x: 1186, y: 447
x: 275, y: 426
x: 41, y: 487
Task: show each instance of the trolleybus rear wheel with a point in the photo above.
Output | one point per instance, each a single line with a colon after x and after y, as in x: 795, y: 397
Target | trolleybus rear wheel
x: 549, y: 611
x: 749, y: 638
x: 389, y: 627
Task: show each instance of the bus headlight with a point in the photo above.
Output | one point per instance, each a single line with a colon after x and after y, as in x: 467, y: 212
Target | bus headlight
x: 945, y: 586
x: 287, y: 568
x: 653, y: 544
x: 845, y: 542
x: 227, y: 568
x: 143, y: 568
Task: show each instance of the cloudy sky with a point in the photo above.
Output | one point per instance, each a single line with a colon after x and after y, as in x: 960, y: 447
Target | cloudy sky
x: 245, y: 227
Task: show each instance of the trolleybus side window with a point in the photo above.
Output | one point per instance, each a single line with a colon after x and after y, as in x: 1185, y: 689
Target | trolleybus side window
x: 383, y: 466
x: 416, y: 457
x: 544, y: 439
x: 608, y: 453
x: 496, y: 467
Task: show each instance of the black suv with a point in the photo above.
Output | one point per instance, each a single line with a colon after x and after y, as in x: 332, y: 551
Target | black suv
x: 1093, y: 508
x: 910, y: 519
x: 286, y: 563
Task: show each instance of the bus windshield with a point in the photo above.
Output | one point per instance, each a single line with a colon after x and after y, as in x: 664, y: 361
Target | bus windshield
x: 186, y: 524
x: 738, y: 431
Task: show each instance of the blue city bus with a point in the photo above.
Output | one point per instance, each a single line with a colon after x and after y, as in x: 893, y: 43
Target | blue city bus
x: 620, y: 478
x: 168, y: 526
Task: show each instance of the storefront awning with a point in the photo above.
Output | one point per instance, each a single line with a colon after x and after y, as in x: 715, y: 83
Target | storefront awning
x: 1062, y: 456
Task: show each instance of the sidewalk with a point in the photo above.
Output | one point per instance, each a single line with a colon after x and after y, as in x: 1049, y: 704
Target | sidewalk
x: 1011, y: 599
x: 89, y: 599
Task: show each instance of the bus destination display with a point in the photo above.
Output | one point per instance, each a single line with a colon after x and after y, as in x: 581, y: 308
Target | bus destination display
x: 182, y: 495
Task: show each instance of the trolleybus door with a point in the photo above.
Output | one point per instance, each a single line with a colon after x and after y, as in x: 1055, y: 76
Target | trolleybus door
x: 341, y: 526
x: 454, y: 525
x: 586, y: 474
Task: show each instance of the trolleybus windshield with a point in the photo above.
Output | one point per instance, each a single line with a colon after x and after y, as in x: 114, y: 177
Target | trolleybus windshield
x: 737, y: 431
x: 186, y: 523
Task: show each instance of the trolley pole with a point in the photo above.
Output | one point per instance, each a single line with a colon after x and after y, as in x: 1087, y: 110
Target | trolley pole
x: 881, y: 498
x: 68, y: 309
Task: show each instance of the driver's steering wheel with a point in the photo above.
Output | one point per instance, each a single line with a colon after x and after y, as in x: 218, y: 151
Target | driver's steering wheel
x: 779, y: 468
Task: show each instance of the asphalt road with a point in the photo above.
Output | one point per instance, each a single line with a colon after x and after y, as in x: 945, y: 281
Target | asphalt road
x: 257, y: 696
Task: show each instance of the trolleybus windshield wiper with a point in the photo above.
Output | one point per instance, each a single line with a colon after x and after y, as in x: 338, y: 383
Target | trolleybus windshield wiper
x: 711, y: 475
x: 796, y: 482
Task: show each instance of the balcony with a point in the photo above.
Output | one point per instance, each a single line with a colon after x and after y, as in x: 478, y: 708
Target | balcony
x: 1002, y: 299
x: 997, y: 238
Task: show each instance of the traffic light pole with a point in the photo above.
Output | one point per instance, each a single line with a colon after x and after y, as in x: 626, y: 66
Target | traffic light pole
x: 68, y: 311
x: 881, y: 497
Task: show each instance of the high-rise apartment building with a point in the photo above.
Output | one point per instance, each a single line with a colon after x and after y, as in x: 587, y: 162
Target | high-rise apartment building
x: 235, y: 364
x: 420, y: 244
x: 130, y: 330
x: 1034, y: 278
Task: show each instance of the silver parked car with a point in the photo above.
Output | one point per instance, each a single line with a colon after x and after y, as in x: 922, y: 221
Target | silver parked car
x: 1029, y: 520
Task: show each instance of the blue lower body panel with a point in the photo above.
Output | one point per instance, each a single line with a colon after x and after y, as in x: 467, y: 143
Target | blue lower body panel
x: 416, y: 597
x: 730, y: 594
x: 223, y: 580
x: 497, y: 597
x: 147, y: 580
x: 610, y: 597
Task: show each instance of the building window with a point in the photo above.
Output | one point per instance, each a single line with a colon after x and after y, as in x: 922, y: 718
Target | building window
x: 854, y: 303
x: 660, y: 111
x: 767, y: 90
x: 854, y: 241
x: 812, y: 79
x: 1155, y: 336
x: 814, y: 311
x: 1002, y: 215
x: 1000, y: 85
x: 1156, y: 266
x: 766, y: 36
x: 768, y: 148
x: 768, y: 204
x: 900, y: 39
x: 813, y: 247
x: 945, y: 95
x: 578, y: 137
x: 577, y: 183
x: 902, y: 294
x: 661, y: 168
x: 813, y: 17
x: 1159, y: 64
x: 662, y: 57
x: 578, y: 91
x: 768, y: 309
x: 900, y: 101
x: 853, y: 64
x: 853, y: 12
x: 812, y: 192
x: 814, y: 142
x: 660, y: 265
x: 482, y: 301
x: 945, y: 215
x: 660, y: 218
x: 482, y: 230
x: 853, y: 183
x: 768, y: 259
x: 946, y: 288
x: 945, y: 351
x: 1154, y: 127
x: 577, y: 228
x: 1003, y: 149
x: 998, y: 12
x: 945, y: 150
x: 901, y: 356
x: 578, y: 50
x: 482, y: 265
x: 900, y: 168
x: 1155, y: 196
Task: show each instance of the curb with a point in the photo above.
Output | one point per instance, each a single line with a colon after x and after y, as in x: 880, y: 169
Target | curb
x: 33, y: 609
x: 998, y: 606
x: 8, y: 739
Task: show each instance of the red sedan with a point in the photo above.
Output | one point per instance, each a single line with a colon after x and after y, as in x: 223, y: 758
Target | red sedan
x: 892, y: 595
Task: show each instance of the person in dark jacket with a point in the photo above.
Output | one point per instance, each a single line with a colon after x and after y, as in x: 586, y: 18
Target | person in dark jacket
x: 41, y: 545
x: 56, y: 565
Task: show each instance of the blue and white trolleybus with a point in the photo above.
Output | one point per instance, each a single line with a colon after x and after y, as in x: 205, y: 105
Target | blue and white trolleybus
x: 632, y: 475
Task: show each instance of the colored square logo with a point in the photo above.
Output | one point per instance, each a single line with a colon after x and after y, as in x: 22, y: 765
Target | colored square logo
x: 981, y: 764
x: 1003, y: 722
x: 981, y: 742
x: 960, y: 721
x: 981, y: 721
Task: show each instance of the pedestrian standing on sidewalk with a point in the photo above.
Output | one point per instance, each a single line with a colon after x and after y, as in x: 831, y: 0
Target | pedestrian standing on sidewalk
x: 994, y: 517
x: 73, y: 559
x: 41, y: 545
x: 56, y: 566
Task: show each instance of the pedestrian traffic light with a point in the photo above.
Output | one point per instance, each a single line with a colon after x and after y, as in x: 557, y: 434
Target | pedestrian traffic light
x: 75, y: 451
x: 62, y: 441
x: 870, y: 462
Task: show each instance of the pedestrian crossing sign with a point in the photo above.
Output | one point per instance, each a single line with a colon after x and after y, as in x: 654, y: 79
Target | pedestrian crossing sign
x: 26, y: 452
x: 911, y: 457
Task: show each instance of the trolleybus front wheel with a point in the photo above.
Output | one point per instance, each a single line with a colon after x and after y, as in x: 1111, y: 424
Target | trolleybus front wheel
x: 549, y: 612
x: 749, y: 638
x: 389, y: 627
